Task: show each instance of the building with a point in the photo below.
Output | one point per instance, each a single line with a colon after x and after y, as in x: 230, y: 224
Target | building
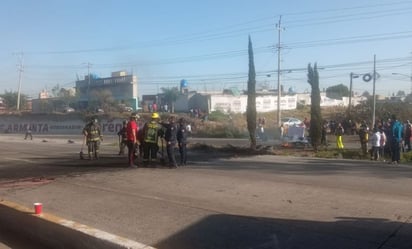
x: 121, y: 85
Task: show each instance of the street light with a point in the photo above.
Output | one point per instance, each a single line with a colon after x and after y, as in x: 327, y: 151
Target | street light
x: 409, y: 76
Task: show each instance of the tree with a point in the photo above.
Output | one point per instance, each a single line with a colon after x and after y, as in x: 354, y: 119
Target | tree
x: 10, y: 98
x: 251, y: 98
x: 171, y: 95
x: 337, y: 92
x: 315, y: 130
x: 55, y: 90
x: 102, y: 99
x: 366, y: 94
x: 401, y: 93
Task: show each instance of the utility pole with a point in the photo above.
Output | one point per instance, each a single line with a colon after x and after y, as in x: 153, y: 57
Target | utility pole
x: 20, y: 69
x: 411, y: 74
x: 352, y: 76
x: 279, y: 47
x: 374, y: 95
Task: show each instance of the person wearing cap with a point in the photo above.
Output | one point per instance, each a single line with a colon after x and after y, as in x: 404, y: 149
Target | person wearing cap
x: 132, y: 141
x: 407, y: 135
x: 170, y: 138
x: 93, y: 135
x: 122, y: 137
x: 151, y: 132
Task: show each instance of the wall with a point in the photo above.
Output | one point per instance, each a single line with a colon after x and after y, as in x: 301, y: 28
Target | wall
x: 238, y: 104
x: 49, y: 126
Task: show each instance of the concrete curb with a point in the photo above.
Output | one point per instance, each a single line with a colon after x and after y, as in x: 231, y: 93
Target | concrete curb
x: 54, y: 232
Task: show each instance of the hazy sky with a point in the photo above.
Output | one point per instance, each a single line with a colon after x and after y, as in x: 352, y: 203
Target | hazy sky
x: 205, y: 42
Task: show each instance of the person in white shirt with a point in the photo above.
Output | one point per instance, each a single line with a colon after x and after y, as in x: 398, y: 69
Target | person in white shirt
x: 376, y: 144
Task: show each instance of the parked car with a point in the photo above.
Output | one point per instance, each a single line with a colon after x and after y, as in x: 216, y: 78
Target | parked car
x: 68, y: 109
x: 290, y: 121
x: 99, y: 110
x: 127, y: 109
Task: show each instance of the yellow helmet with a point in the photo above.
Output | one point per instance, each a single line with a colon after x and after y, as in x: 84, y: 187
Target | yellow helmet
x: 155, y: 115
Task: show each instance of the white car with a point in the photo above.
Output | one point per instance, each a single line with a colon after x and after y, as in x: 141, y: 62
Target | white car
x: 289, y: 121
x: 68, y: 109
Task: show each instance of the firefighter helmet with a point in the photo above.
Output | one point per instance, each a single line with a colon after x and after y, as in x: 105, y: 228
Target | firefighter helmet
x: 155, y: 115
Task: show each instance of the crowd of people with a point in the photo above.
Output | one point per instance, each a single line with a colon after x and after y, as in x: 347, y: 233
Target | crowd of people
x: 142, y: 142
x: 385, y: 141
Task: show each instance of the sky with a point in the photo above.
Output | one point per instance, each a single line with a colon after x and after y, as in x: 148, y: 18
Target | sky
x: 54, y: 42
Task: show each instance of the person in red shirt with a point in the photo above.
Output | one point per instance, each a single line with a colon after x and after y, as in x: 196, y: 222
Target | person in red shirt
x: 132, y: 141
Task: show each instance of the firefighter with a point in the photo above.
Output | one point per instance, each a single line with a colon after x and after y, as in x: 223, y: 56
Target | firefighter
x: 151, y: 132
x: 93, y: 136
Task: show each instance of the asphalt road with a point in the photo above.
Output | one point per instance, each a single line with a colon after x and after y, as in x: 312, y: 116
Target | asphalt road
x: 215, y: 202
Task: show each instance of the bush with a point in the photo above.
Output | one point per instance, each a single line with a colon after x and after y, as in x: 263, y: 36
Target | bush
x: 218, y: 116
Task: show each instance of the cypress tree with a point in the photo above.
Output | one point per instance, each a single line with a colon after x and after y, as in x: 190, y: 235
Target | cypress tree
x: 251, y: 99
x: 315, y: 130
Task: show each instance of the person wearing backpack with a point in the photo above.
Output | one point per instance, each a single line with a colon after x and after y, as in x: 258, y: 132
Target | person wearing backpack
x: 396, y: 133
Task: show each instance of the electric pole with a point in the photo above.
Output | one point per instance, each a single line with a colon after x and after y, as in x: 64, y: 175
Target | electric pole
x: 374, y: 95
x: 279, y: 47
x: 352, y: 76
x: 20, y: 69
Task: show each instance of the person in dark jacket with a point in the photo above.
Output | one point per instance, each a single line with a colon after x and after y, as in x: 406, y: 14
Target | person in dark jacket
x: 364, y: 137
x: 122, y: 138
x: 407, y: 135
x: 396, y: 139
x: 171, y: 139
x: 182, y: 135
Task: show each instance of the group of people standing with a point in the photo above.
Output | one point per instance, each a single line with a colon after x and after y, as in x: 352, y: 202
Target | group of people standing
x: 387, y: 139
x: 144, y: 141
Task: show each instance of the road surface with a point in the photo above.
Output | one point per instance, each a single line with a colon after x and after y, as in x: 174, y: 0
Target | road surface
x: 240, y: 202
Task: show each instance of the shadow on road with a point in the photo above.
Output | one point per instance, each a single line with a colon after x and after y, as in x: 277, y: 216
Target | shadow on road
x: 240, y: 232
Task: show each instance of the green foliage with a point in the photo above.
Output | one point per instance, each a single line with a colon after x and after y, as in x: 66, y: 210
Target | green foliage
x: 335, y: 153
x: 337, y: 92
x: 221, y: 130
x: 102, y: 99
x: 218, y: 116
x: 384, y: 110
x: 171, y: 95
x: 10, y: 98
x: 315, y: 111
x: 406, y: 157
x: 251, y: 98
